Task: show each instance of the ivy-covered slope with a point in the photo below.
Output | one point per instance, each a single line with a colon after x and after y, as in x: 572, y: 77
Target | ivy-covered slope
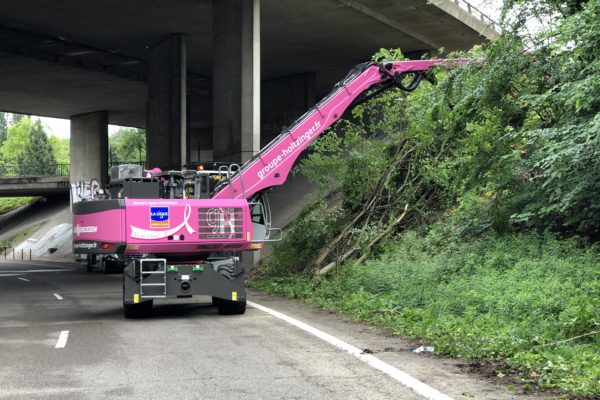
x: 470, y: 210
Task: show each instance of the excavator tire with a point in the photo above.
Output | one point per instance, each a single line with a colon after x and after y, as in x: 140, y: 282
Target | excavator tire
x: 229, y: 307
x: 140, y: 310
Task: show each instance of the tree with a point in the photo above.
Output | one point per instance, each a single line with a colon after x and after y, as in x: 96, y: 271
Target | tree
x: 3, y: 126
x: 128, y: 144
x: 16, y: 118
x: 61, y: 149
x: 17, y: 138
x: 37, y: 153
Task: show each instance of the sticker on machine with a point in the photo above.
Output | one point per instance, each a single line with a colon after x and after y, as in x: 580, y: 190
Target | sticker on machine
x: 159, y: 217
x: 140, y: 233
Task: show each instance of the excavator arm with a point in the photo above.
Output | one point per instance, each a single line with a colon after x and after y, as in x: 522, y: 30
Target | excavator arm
x: 271, y: 166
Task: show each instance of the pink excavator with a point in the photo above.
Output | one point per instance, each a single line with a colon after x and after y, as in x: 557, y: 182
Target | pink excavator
x: 182, y: 232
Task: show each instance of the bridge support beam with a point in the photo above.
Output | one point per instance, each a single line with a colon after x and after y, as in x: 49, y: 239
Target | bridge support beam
x: 166, y: 140
x: 89, y: 147
x: 236, y: 79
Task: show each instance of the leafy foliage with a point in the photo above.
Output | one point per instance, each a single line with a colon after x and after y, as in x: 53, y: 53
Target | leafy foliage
x: 10, y: 203
x: 128, y: 145
x: 61, y: 149
x: 37, y: 150
x: 510, y: 297
x: 18, y: 136
x: 3, y: 126
x: 498, y: 147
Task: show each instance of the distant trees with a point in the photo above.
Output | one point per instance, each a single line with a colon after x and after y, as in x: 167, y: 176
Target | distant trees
x: 128, y: 145
x: 61, y: 149
x: 37, y: 150
x: 17, y: 138
x: 24, y: 143
x: 3, y: 126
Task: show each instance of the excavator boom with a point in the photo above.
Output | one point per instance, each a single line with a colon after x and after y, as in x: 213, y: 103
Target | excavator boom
x: 271, y: 166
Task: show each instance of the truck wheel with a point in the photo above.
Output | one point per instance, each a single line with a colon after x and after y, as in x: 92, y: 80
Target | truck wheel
x: 91, y: 262
x: 139, y: 310
x: 229, y: 307
x: 105, y: 267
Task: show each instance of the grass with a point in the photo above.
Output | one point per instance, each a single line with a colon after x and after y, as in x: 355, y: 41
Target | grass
x: 516, y: 300
x: 10, y: 203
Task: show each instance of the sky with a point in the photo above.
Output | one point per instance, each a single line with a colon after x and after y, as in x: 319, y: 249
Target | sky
x: 61, y: 127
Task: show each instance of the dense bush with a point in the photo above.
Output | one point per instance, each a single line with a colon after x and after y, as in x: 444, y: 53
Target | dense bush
x: 498, y: 166
x: 511, y: 298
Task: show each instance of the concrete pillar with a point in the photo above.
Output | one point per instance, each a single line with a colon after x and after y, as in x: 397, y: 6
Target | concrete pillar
x: 89, y: 147
x: 200, y: 140
x: 166, y: 126
x: 236, y: 79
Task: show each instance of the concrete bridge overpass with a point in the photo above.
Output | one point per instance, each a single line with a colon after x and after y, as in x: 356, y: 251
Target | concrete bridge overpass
x: 208, y: 79
x: 34, y: 180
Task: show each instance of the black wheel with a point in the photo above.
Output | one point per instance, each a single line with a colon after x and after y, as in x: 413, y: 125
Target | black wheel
x: 91, y: 262
x: 139, y: 310
x: 105, y: 267
x: 230, y: 307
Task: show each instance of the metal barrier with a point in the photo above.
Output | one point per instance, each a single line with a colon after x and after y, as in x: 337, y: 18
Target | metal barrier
x: 471, y: 9
x: 14, y: 252
x: 113, y: 163
x: 36, y: 170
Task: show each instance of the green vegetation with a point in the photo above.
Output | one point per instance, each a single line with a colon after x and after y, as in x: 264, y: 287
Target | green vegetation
x: 509, y: 298
x: 37, y: 150
x: 466, y: 214
x: 61, y: 149
x: 24, y: 142
x: 128, y: 145
x: 10, y: 203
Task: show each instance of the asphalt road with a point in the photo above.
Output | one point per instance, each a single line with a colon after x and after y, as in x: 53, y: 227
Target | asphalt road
x: 189, y: 351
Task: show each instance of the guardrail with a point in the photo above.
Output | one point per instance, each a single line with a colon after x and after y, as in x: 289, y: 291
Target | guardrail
x: 113, y: 163
x: 13, y: 251
x: 19, y: 171
x: 474, y: 11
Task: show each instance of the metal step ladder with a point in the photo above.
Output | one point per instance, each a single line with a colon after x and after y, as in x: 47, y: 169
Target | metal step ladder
x: 155, y: 282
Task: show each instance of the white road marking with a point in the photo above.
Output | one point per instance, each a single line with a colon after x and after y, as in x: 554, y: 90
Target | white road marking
x: 421, y: 388
x: 24, y: 279
x: 37, y: 270
x: 5, y: 275
x: 62, y: 340
x: 58, y: 296
x: 29, y: 263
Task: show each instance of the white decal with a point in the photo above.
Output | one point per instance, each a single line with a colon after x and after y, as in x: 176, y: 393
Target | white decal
x: 217, y: 220
x: 78, y: 229
x: 85, y: 245
x: 140, y: 233
x: 300, y: 140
